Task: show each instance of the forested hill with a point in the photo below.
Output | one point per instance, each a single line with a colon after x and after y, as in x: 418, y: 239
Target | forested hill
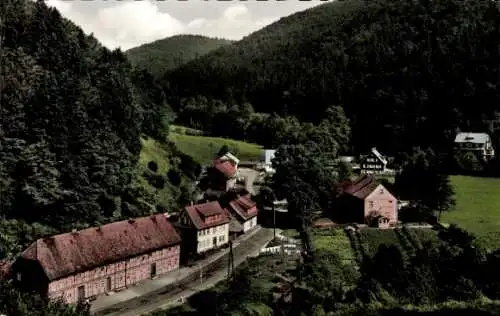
x: 171, y: 52
x: 71, y: 118
x: 406, y: 72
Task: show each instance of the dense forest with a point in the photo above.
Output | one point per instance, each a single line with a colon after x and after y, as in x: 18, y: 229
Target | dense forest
x: 72, y: 117
x: 406, y: 72
x: 171, y: 52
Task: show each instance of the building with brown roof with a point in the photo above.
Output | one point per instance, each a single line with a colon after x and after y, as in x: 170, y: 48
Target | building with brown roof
x: 223, y: 173
x: 364, y: 200
x: 203, y: 227
x: 245, y: 211
x: 82, y: 264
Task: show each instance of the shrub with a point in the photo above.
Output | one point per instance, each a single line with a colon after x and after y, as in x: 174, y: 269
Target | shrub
x: 153, y: 166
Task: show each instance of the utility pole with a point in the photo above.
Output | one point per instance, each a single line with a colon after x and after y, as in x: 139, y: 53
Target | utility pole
x: 274, y: 219
x: 230, y: 263
x: 201, y: 273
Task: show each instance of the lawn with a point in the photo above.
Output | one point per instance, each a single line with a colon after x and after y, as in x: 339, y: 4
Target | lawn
x: 202, y: 149
x: 477, y: 208
x: 154, y: 151
x: 335, y: 241
x: 165, y: 195
x: 184, y: 130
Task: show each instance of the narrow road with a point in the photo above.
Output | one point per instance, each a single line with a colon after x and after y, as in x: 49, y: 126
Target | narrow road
x: 250, y: 176
x: 210, y: 276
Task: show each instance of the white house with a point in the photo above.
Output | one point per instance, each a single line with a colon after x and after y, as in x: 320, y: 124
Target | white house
x: 479, y: 143
x: 204, y: 227
x: 374, y: 162
x: 245, y: 211
x: 230, y: 157
x: 266, y: 161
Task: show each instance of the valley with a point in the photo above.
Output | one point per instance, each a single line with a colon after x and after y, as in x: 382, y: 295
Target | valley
x: 368, y: 131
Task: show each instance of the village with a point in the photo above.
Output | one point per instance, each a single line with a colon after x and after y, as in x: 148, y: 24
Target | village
x: 95, y: 263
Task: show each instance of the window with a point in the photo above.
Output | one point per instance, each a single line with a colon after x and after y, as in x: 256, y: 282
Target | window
x: 370, y: 204
x: 108, y: 284
x: 381, y: 191
x: 81, y: 293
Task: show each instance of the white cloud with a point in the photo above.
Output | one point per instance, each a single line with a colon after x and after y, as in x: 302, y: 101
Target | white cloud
x: 129, y: 24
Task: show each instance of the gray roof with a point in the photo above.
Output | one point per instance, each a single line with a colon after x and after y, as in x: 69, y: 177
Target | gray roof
x: 477, y: 138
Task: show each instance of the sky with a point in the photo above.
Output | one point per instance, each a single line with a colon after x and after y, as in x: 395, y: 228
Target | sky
x: 126, y: 24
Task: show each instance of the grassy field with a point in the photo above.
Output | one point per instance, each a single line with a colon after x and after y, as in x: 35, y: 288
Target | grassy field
x: 184, y: 130
x: 203, y: 148
x: 167, y: 195
x: 154, y: 151
x: 335, y: 241
x: 367, y: 241
x: 477, y: 208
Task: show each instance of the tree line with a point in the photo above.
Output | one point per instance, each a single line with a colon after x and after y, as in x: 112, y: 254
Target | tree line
x: 407, y: 73
x: 72, y: 114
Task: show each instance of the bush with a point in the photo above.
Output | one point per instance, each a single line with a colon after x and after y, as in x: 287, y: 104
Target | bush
x: 153, y: 166
x: 174, y: 177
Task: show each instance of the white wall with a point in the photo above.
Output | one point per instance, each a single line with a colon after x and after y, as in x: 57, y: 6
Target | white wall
x: 249, y: 224
x: 206, y: 236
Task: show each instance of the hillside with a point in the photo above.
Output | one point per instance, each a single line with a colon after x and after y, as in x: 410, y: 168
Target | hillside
x: 406, y: 72
x: 72, y: 117
x: 203, y: 148
x: 165, y: 54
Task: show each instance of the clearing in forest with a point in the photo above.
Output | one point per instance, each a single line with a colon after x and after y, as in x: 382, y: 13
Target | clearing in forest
x: 203, y: 149
x: 477, y: 208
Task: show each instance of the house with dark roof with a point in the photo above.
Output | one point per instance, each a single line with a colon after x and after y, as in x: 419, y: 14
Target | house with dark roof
x: 83, y: 264
x: 244, y: 210
x: 203, y: 227
x: 366, y: 201
x: 479, y: 144
x: 373, y: 163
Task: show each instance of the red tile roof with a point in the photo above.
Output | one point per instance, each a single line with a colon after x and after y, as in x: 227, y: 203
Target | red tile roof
x: 69, y: 253
x: 226, y: 167
x: 198, y: 212
x: 244, y: 207
x: 361, y: 187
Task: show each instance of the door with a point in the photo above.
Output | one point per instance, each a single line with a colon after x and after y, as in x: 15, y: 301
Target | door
x: 153, y: 270
x: 214, y: 241
x: 108, y: 284
x: 81, y: 293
